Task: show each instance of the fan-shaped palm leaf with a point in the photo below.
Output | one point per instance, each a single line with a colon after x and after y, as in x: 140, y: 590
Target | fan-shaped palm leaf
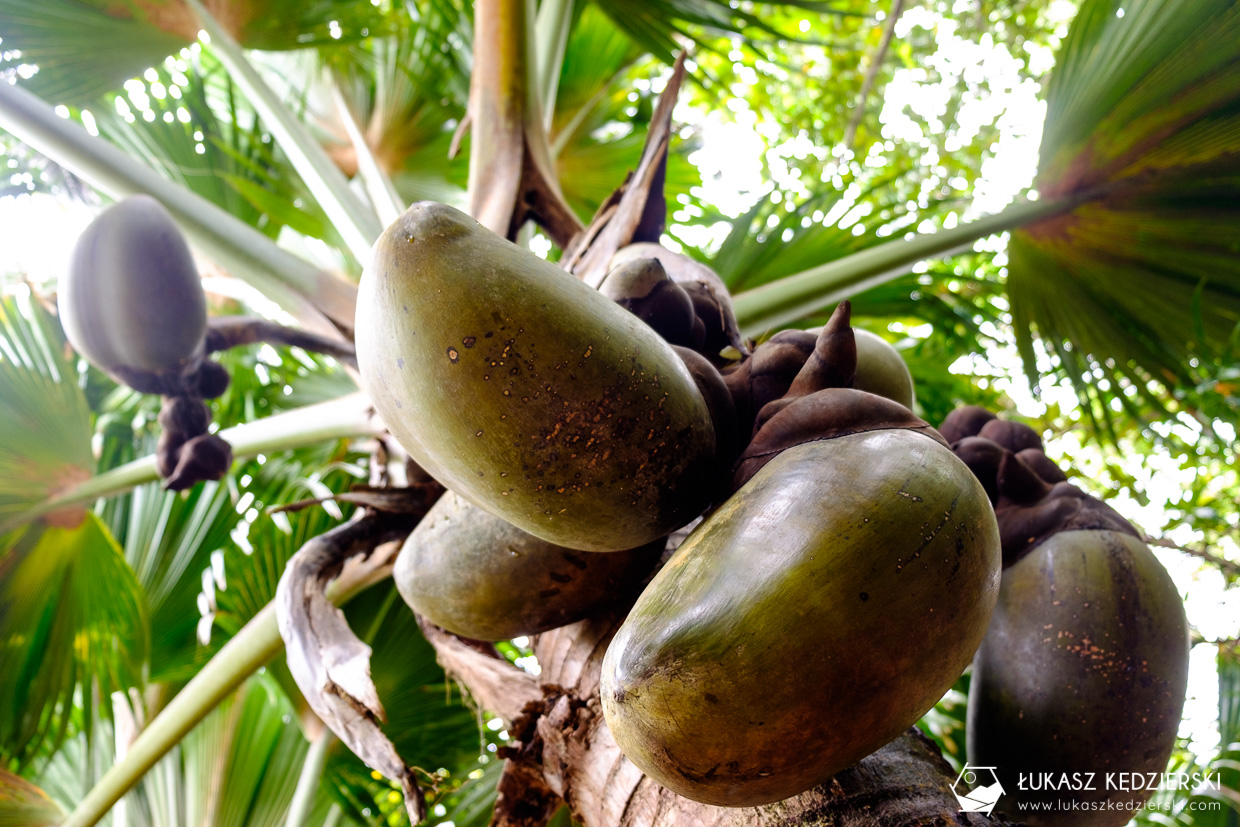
x: 45, y: 441
x: 1144, y: 112
x: 655, y: 24
x: 405, y: 91
x: 22, y: 804
x: 193, y: 105
x: 429, y: 725
x: 1132, y: 223
x: 84, y: 48
x: 596, y: 53
x: 170, y: 541
x: 353, y: 219
x: 245, y: 579
x: 72, y: 618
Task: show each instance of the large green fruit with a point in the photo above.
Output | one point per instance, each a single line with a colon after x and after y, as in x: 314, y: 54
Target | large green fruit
x: 526, y: 391
x: 881, y: 370
x: 131, y: 302
x: 1083, y: 671
x: 481, y: 577
x: 812, y: 618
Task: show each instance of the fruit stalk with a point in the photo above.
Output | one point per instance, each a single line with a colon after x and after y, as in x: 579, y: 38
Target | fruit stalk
x: 224, y: 332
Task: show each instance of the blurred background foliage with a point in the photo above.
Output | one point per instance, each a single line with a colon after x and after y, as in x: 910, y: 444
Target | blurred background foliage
x: 809, y: 131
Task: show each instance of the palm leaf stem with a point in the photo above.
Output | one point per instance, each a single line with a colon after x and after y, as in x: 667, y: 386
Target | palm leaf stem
x: 555, y: 18
x: 258, y: 642
x: 386, y: 201
x: 357, y: 224
x: 253, y: 646
x: 313, y: 296
x: 309, y: 780
x: 794, y: 297
x: 340, y: 418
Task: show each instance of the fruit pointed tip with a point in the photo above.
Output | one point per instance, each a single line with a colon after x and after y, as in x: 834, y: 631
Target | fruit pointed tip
x: 840, y: 319
x: 430, y: 219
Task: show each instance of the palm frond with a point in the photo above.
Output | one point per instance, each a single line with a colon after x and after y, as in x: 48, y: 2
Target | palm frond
x: 354, y: 220
x: 1143, y: 113
x: 85, y: 48
x: 407, y: 88
x: 428, y: 721
x: 22, y: 804
x: 45, y: 441
x: 655, y: 24
x: 429, y: 724
x: 81, y: 50
x: 596, y: 54
x: 473, y: 803
x: 252, y: 563
x: 72, y: 619
x: 170, y: 540
x: 774, y: 240
x: 321, y: 426
x: 189, y: 105
x: 308, y: 293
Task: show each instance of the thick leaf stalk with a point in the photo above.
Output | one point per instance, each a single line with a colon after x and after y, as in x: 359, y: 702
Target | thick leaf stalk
x: 795, y: 297
x: 315, y: 297
x: 338, y: 419
x: 356, y: 222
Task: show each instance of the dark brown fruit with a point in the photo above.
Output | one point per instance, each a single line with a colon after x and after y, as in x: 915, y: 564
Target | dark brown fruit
x: 1083, y: 670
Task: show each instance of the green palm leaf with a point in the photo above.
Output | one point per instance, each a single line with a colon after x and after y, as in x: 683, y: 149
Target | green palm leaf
x: 72, y: 618
x: 81, y: 50
x: 655, y: 24
x: 239, y: 766
x: 473, y: 803
x: 84, y: 48
x: 170, y: 540
x: 193, y: 106
x: 45, y: 441
x: 428, y: 723
x: 251, y: 567
x: 1143, y: 113
x: 404, y: 91
x: 22, y: 804
x: 588, y: 93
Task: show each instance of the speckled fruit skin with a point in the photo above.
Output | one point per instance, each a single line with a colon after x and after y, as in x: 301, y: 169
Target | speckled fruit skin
x: 1083, y: 670
x: 132, y: 299
x: 475, y: 575
x: 881, y: 370
x: 526, y: 391
x: 811, y: 619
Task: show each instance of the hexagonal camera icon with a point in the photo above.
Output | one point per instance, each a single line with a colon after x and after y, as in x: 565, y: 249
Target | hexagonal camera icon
x: 977, y: 789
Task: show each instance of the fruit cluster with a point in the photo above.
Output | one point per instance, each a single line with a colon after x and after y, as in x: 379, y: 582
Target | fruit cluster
x: 761, y: 659
x: 850, y: 563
